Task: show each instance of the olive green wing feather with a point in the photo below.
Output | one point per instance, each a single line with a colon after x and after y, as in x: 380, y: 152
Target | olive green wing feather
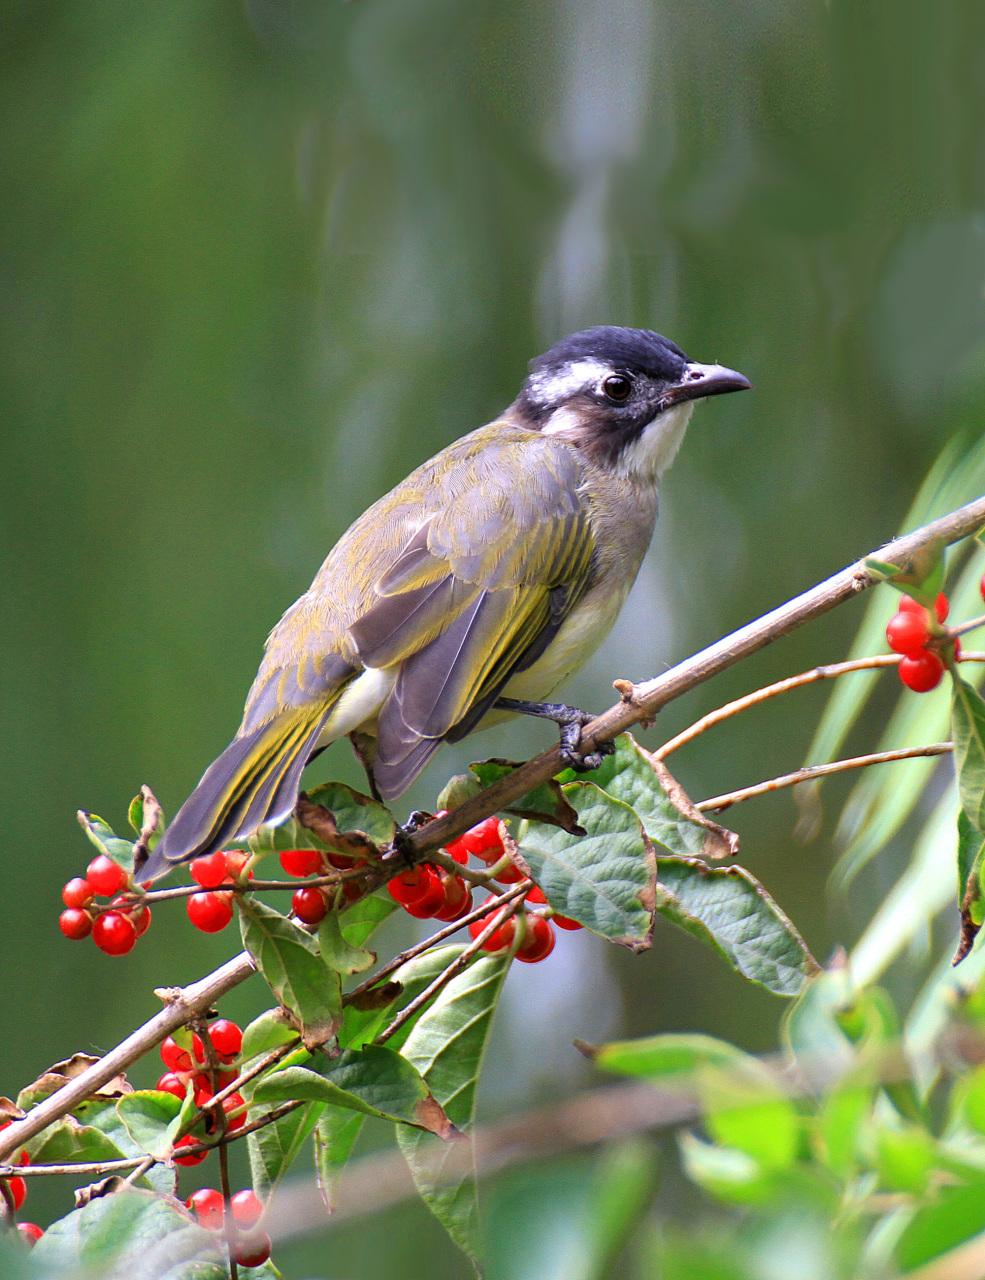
x: 475, y: 595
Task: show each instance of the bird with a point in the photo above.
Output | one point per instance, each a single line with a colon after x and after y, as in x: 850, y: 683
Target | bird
x: 468, y: 593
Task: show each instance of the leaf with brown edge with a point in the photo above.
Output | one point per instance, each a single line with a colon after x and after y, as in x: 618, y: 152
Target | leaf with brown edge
x: 546, y: 803
x: 320, y: 821
x: 971, y: 865
x: 61, y: 1073
x: 719, y: 842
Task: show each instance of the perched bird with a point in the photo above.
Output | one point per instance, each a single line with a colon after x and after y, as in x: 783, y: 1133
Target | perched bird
x: 469, y: 592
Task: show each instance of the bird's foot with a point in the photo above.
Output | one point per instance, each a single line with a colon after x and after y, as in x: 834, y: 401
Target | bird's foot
x: 571, y: 721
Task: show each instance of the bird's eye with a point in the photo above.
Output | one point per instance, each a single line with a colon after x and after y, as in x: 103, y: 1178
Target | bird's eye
x: 618, y: 386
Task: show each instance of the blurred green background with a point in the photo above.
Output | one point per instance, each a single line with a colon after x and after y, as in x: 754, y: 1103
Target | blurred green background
x: 259, y: 260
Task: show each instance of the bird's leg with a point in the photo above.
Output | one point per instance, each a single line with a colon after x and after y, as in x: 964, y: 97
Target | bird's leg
x: 364, y: 745
x: 570, y: 720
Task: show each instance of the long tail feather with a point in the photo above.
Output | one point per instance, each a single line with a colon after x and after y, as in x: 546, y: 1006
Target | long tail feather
x: 255, y: 780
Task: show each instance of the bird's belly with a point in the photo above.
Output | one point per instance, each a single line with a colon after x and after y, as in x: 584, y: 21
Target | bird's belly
x: 582, y: 633
x: 358, y: 704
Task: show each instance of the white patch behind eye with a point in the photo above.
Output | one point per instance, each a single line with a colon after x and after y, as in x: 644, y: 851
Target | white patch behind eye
x: 559, y: 384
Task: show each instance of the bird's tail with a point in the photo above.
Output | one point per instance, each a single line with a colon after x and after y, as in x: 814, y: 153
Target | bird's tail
x: 254, y: 781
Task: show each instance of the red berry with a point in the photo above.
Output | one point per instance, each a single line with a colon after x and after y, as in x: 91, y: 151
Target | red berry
x: 343, y: 862
x: 907, y: 632
x: 175, y: 1058
x: 210, y: 870
x: 202, y: 1089
x: 142, y: 921
x: 456, y: 892
x: 171, y: 1083
x: 981, y: 587
x: 231, y: 1103
x: 941, y: 607
x: 188, y: 1141
x: 412, y: 887
x: 207, y: 1206
x: 208, y: 912
x: 509, y: 874
x: 538, y: 940
x: 500, y: 940
x: 352, y: 891
x: 302, y: 862
x: 236, y: 860
x: 309, y: 905
x: 75, y: 923
x: 253, y: 1250
x: 921, y: 671
x: 106, y: 876
x: 535, y: 895
x: 431, y: 901
x: 114, y: 933
x: 30, y: 1233
x: 565, y: 922
x: 485, y: 840
x: 139, y: 915
x: 247, y: 1208
x: 18, y: 1190
x: 77, y: 893
x: 227, y: 1039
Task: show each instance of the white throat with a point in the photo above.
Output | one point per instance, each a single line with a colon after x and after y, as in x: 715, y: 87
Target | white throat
x: 652, y: 452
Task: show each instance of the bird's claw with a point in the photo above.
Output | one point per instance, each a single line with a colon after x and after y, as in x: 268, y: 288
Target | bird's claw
x: 571, y: 753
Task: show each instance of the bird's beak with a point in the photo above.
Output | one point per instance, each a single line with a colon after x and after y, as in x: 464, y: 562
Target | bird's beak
x: 702, y: 380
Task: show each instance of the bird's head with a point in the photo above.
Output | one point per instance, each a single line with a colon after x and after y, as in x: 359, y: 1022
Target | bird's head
x: 623, y: 396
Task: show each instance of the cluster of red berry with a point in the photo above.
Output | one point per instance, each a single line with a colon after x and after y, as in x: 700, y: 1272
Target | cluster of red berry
x: 15, y: 1193
x: 184, y: 1066
x: 311, y: 902
x: 909, y: 632
x: 212, y: 910
x: 252, y: 1248
x: 115, y: 928
x: 429, y: 892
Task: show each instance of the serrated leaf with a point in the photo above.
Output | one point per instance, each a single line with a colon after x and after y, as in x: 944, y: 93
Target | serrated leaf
x: 106, y: 840
x: 335, y: 1136
x: 337, y: 953
x: 274, y: 1148
x: 630, y: 775
x: 359, y: 1026
x: 729, y: 909
x: 135, y: 1234
x: 296, y: 974
x: 447, y: 1046
x: 968, y: 731
x: 604, y: 879
x: 152, y: 1119
x: 545, y: 803
x: 374, y: 1080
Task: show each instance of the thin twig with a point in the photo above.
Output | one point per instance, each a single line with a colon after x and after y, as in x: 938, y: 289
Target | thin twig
x: 821, y: 771
x: 827, y: 672
x: 391, y: 966
x: 140, y: 1170
x: 459, y: 963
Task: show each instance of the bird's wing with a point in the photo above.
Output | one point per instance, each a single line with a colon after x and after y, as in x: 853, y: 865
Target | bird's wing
x: 502, y: 551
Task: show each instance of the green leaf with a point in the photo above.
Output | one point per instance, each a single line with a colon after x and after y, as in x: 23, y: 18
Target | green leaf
x: 68, y: 1142
x: 135, y: 1234
x: 447, y: 1046
x: 335, y: 1136
x: 138, y: 814
x: 842, y: 1124
x: 374, y: 1080
x: 268, y: 1031
x: 106, y: 840
x: 354, y: 812
x: 971, y: 891
x: 101, y: 1114
x: 337, y: 953
x: 603, y: 879
x: 361, y: 920
x: 152, y: 1120
x: 729, y: 909
x: 922, y: 578
x: 745, y: 1110
x: 458, y: 789
x: 968, y: 730
x: 360, y: 1025
x: 904, y: 1158
x: 671, y: 1054
x: 545, y: 803
x: 954, y: 1216
x: 296, y: 974
x: 274, y: 1148
x: 732, y: 1176
x: 629, y: 775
